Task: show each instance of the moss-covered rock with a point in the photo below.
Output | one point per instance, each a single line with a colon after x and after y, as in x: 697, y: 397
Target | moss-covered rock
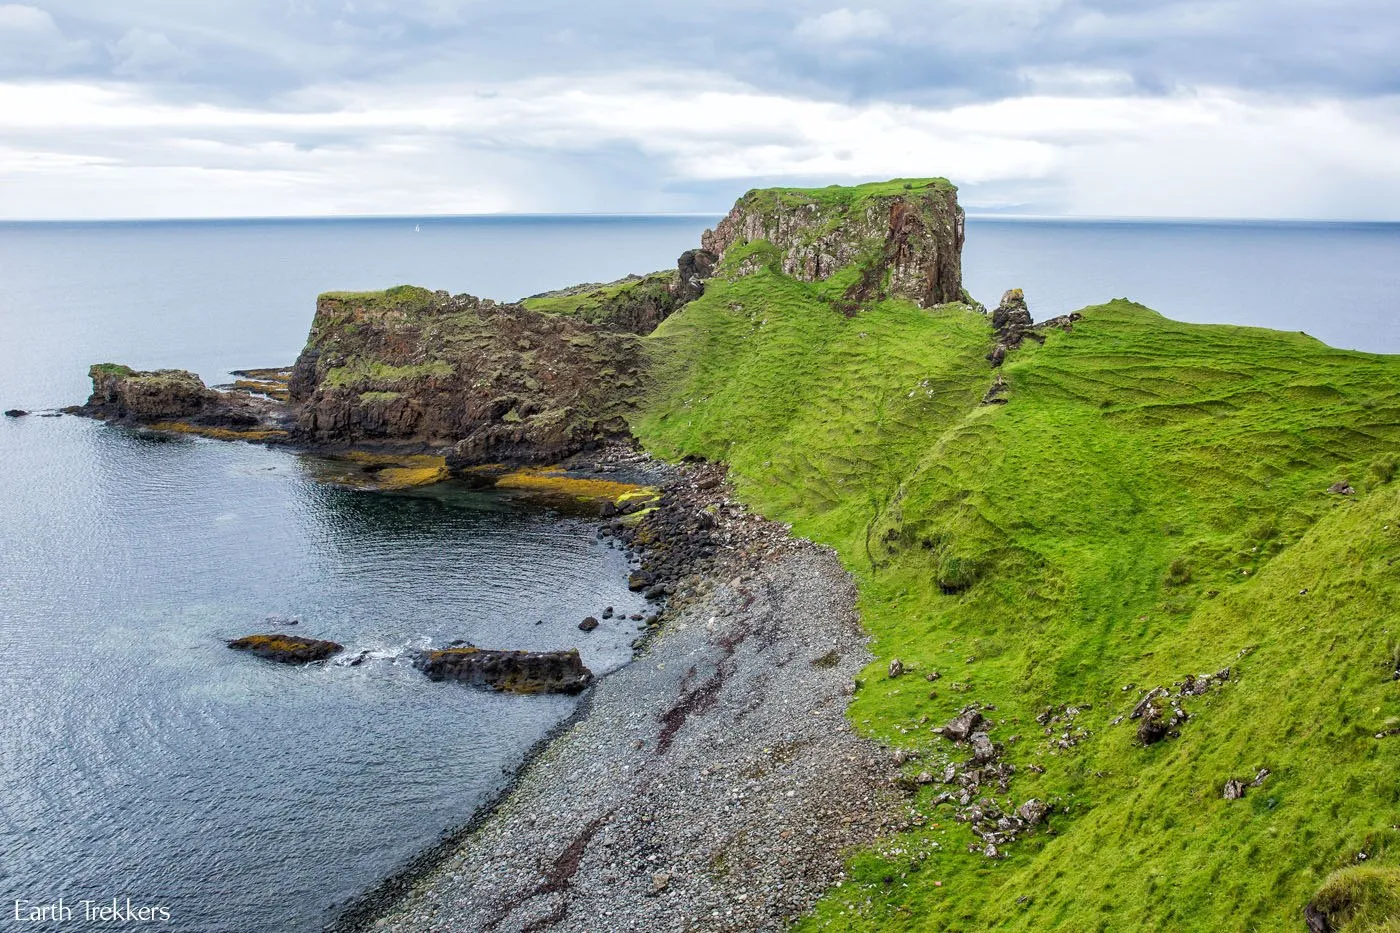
x: 176, y: 400
x: 286, y: 649
x: 496, y: 382
x: 900, y: 239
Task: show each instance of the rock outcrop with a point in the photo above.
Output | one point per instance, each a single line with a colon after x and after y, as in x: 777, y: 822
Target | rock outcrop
x: 286, y: 649
x: 899, y: 239
x: 124, y: 395
x: 511, y: 671
x: 484, y: 384
x: 497, y: 382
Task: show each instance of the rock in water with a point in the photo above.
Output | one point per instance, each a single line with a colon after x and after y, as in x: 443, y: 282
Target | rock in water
x: 128, y: 396
x: 287, y: 649
x: 16, y: 413
x: 512, y: 671
x: 588, y: 624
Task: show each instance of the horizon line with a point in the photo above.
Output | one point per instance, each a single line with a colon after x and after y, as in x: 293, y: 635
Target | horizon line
x: 604, y: 215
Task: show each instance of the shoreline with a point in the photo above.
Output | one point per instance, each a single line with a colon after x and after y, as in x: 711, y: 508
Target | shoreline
x: 707, y: 701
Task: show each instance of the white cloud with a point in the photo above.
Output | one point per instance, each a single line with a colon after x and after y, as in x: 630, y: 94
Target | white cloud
x: 31, y: 40
x: 81, y: 148
x: 843, y: 25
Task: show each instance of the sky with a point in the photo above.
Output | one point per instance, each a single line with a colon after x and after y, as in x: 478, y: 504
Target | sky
x: 1170, y: 108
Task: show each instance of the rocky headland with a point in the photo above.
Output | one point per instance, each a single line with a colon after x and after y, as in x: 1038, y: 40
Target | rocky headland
x: 1044, y: 520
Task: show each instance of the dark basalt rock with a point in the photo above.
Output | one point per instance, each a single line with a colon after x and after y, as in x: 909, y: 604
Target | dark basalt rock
x: 286, y: 649
x: 588, y: 624
x: 694, y: 266
x: 127, y: 396
x: 510, y: 671
x: 16, y: 413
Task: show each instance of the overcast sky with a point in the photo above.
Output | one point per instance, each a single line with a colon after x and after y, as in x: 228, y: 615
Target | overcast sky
x: 1225, y: 108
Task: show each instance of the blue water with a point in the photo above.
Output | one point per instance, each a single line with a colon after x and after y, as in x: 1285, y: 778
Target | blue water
x: 1339, y: 282
x: 140, y: 758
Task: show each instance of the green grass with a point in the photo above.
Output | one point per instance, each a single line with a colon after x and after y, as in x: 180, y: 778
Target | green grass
x: 360, y: 372
x: 845, y: 195
x: 1151, y: 503
x: 400, y: 297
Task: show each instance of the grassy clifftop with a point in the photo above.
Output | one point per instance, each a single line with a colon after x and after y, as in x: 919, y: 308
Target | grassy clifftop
x: 1151, y: 503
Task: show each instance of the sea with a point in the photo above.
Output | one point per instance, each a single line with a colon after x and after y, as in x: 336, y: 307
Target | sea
x: 142, y: 761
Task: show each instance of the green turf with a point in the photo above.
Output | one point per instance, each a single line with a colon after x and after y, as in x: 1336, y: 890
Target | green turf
x: 1152, y: 502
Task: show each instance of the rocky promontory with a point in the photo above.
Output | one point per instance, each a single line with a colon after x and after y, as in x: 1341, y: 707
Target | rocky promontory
x: 482, y: 383
x: 897, y: 239
x: 179, y: 399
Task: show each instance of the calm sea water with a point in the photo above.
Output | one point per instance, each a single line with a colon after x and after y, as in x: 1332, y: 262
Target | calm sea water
x: 140, y: 758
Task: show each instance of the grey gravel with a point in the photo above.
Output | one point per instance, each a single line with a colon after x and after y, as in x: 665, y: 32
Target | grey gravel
x: 716, y: 783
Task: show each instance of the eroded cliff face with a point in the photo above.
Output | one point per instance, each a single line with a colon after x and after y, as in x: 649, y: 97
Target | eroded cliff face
x: 496, y: 382
x: 898, y: 239
x: 408, y: 369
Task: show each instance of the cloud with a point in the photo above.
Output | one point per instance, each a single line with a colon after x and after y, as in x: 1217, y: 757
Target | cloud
x: 32, y: 43
x: 1251, y: 107
x: 843, y: 25
x: 141, y: 53
x: 687, y: 141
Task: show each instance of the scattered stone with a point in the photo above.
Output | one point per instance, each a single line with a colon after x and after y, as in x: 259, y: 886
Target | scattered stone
x: 961, y: 727
x: 286, y: 649
x: 1033, y: 811
x: 1341, y: 488
x: 896, y: 667
x: 983, y: 750
x: 659, y: 883
x: 608, y: 612
x: 1234, y: 789
x: 16, y: 413
x: 588, y: 624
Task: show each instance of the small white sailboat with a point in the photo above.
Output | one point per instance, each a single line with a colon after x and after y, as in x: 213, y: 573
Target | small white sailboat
x: 417, y: 228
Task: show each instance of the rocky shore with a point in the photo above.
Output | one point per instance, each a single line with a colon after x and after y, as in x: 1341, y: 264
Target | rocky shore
x: 714, y: 783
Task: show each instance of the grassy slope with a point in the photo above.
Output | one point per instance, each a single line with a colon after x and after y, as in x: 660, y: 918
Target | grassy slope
x: 1128, y: 444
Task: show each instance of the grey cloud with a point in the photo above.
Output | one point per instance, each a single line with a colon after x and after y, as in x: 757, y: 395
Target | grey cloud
x: 929, y: 52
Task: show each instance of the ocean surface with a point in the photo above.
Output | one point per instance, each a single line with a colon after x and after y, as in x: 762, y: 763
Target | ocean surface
x: 141, y: 759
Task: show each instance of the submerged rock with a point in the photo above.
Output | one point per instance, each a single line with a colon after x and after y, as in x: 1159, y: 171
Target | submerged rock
x: 511, y: 671
x: 286, y: 649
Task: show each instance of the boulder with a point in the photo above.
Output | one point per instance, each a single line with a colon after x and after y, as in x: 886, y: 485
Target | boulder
x: 1341, y: 488
x: 510, y: 671
x: 1234, y: 789
x: 16, y: 413
x: 962, y: 726
x: 588, y: 624
x: 1033, y: 811
x: 286, y: 649
x: 983, y: 750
